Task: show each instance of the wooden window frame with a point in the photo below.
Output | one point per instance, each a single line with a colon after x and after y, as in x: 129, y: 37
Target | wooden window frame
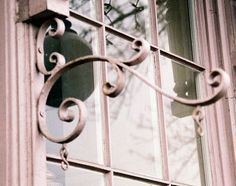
x: 22, y: 146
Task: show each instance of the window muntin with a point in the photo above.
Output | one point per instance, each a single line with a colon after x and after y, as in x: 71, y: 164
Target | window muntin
x: 121, y: 181
x: 109, y: 168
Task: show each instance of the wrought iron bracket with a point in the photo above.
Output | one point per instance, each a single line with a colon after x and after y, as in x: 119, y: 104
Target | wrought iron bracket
x: 218, y: 79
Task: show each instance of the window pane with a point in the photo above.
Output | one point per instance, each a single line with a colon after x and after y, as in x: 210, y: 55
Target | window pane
x: 133, y: 118
x: 121, y: 181
x: 183, y: 144
x: 174, y: 27
x: 85, y: 7
x: 73, y: 176
x: 85, y: 31
x: 130, y: 16
x: 83, y: 83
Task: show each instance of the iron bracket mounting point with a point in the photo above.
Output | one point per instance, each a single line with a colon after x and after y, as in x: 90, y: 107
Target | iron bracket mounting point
x: 37, y: 11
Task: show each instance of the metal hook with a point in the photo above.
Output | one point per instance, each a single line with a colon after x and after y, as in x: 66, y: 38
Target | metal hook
x: 64, y: 156
x: 198, y: 116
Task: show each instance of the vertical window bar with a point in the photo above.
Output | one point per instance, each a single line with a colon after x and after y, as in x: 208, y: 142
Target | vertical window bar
x: 109, y: 178
x: 153, y: 21
x: 162, y: 126
x: 105, y: 107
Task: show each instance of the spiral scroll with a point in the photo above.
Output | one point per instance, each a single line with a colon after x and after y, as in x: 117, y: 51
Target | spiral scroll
x: 218, y: 80
x: 55, y: 57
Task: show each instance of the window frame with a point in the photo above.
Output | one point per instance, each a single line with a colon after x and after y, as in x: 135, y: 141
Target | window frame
x: 23, y: 147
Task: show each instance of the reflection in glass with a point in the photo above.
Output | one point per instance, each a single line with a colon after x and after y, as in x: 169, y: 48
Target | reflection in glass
x: 121, y: 181
x: 86, y: 32
x: 174, y: 27
x: 130, y: 16
x: 184, y: 146
x: 85, y: 7
x: 92, y: 134
x: 133, y: 118
x: 72, y: 177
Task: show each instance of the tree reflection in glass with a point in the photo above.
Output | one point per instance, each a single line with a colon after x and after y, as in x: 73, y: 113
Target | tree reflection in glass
x: 130, y: 16
x: 85, y: 7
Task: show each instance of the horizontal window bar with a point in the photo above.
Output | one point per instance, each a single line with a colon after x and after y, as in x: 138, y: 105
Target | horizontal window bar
x: 85, y: 19
x: 139, y: 177
x: 81, y: 164
x: 119, y: 33
x: 105, y: 169
x: 182, y: 60
x: 179, y: 184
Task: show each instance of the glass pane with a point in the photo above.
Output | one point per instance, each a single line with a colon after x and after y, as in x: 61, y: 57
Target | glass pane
x: 174, y: 27
x: 183, y: 143
x: 85, y: 7
x: 121, y: 181
x: 85, y: 31
x: 133, y: 118
x: 130, y: 16
x: 83, y: 83
x: 73, y: 176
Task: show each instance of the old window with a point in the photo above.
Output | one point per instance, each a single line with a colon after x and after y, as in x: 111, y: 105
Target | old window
x: 139, y: 137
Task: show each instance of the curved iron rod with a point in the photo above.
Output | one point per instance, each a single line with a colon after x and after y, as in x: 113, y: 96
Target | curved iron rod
x: 218, y: 79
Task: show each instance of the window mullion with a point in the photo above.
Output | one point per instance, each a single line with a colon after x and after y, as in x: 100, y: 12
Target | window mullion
x: 153, y: 21
x: 162, y: 127
x: 105, y: 103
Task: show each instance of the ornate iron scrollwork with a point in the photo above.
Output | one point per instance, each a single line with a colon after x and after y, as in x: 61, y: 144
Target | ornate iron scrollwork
x: 218, y: 80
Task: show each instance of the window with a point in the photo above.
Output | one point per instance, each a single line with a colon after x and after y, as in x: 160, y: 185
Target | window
x: 139, y: 137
